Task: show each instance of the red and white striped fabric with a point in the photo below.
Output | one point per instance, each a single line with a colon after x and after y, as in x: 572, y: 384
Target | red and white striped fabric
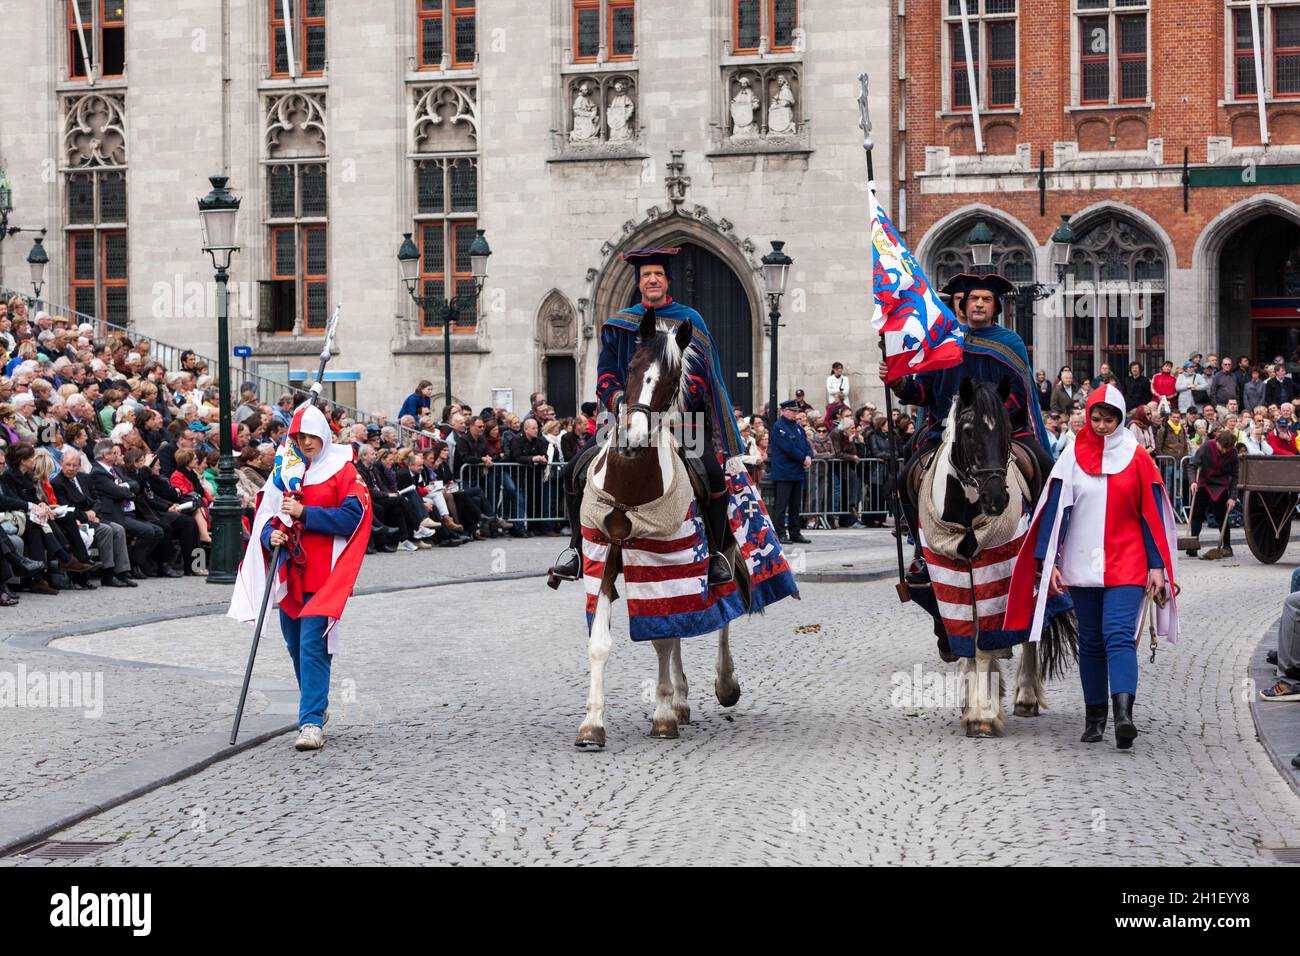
x: 962, y: 590
x: 666, y: 583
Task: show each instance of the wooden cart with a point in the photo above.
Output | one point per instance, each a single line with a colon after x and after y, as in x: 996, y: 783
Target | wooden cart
x: 1269, y: 489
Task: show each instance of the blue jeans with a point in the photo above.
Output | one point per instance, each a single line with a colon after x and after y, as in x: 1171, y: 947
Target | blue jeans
x: 1108, y: 619
x: 305, y: 637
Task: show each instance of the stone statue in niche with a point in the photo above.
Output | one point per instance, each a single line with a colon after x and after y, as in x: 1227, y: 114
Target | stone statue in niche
x: 744, y: 106
x: 780, y: 115
x: 584, y: 116
x: 619, y: 114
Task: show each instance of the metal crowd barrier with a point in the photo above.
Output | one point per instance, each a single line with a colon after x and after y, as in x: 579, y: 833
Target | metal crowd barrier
x: 834, y: 490
x: 527, y: 495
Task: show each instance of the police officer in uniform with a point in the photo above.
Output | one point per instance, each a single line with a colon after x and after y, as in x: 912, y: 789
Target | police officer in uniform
x: 789, y: 457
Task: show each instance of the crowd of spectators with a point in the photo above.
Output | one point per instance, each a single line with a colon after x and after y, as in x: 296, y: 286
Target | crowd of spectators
x: 110, y: 458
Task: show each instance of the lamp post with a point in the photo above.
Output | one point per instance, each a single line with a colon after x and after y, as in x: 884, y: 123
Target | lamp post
x: 6, y: 204
x: 219, y: 217
x: 776, y: 271
x: 37, y: 260
x: 408, y: 262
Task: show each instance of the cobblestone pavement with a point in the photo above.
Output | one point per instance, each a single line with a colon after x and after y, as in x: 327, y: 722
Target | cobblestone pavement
x: 453, y: 712
x: 145, y: 710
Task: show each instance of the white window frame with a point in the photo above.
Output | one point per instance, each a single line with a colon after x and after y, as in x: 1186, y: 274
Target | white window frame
x: 1112, y: 11
x: 978, y: 39
x: 1266, y: 49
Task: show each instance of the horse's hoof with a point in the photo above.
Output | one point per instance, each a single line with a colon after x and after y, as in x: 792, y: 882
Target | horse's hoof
x: 972, y: 728
x: 664, y: 729
x: 983, y: 728
x: 727, y: 694
x: 590, y: 737
x: 683, y: 715
x: 1026, y: 710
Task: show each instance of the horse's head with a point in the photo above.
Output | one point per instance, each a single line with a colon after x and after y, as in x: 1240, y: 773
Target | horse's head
x: 981, y: 434
x: 654, y: 376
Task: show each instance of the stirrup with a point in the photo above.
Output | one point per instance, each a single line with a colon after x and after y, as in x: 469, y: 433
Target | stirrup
x: 730, y: 574
x: 562, y: 570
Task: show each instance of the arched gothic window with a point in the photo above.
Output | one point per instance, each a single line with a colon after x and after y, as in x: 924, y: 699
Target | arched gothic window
x: 1115, y: 312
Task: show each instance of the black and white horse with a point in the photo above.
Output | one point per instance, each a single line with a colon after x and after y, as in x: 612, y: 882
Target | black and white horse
x: 971, y: 480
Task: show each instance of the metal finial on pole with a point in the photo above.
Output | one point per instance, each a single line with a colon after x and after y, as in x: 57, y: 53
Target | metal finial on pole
x: 319, y: 384
x: 864, y: 124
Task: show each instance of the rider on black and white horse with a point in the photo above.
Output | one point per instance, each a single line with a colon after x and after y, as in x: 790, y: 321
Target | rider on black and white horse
x: 990, y: 352
x: 709, y: 422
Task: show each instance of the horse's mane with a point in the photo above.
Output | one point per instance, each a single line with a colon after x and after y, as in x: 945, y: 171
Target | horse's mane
x: 662, y: 350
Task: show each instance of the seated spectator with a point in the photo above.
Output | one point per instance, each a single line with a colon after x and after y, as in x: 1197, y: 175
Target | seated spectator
x: 72, y: 488
x: 187, y: 482
x: 42, y: 538
x: 163, y: 504
x: 115, y: 500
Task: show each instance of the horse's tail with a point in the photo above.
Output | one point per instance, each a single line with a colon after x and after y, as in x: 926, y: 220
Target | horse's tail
x: 1059, y: 648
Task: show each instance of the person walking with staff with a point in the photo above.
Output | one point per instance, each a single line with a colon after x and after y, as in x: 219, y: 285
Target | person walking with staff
x: 315, y: 511
x: 1105, y: 529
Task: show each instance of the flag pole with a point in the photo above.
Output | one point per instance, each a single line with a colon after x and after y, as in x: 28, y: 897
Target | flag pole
x: 864, y: 123
x: 278, y: 553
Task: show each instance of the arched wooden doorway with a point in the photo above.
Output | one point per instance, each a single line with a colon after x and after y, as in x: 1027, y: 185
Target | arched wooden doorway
x: 708, y: 285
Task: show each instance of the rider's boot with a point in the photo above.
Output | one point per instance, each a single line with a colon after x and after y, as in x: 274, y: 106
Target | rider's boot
x: 715, y: 528
x: 568, y: 566
x: 918, y: 573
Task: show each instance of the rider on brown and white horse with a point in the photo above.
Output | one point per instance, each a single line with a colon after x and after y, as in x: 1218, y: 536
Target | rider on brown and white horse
x: 708, y: 424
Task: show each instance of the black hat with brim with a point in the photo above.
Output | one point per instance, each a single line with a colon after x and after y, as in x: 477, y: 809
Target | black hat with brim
x: 963, y: 284
x: 660, y: 256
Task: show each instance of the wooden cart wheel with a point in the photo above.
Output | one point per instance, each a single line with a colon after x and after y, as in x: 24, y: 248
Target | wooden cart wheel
x: 1266, y: 517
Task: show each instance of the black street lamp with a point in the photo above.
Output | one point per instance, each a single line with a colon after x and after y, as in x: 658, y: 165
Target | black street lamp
x: 37, y: 260
x: 408, y: 262
x: 980, y: 241
x: 219, y: 217
x: 776, y: 271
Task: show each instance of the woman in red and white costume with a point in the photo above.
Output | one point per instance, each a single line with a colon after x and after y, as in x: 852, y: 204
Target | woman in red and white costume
x: 1105, y: 529
x: 328, y: 525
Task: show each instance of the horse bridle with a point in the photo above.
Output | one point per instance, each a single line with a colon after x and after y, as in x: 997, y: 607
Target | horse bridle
x: 972, y: 477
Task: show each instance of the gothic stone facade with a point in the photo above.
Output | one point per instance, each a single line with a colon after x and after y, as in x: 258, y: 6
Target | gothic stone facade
x: 568, y: 131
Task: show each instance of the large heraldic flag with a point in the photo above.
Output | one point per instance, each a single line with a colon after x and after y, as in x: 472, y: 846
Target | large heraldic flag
x: 921, y: 333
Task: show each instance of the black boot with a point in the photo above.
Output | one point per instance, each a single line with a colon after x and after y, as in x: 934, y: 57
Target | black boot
x: 1125, y: 730
x: 568, y: 566
x: 1094, y: 723
x: 715, y: 529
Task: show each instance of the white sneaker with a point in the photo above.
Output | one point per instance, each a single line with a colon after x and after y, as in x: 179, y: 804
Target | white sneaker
x: 424, y: 533
x: 428, y: 523
x: 310, y: 737
x: 423, y: 545
x: 408, y: 546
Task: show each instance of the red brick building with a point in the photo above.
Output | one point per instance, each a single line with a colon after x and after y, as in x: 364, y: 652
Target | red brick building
x: 1137, y: 119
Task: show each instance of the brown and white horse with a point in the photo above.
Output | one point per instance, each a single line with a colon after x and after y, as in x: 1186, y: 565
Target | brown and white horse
x: 635, y: 468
